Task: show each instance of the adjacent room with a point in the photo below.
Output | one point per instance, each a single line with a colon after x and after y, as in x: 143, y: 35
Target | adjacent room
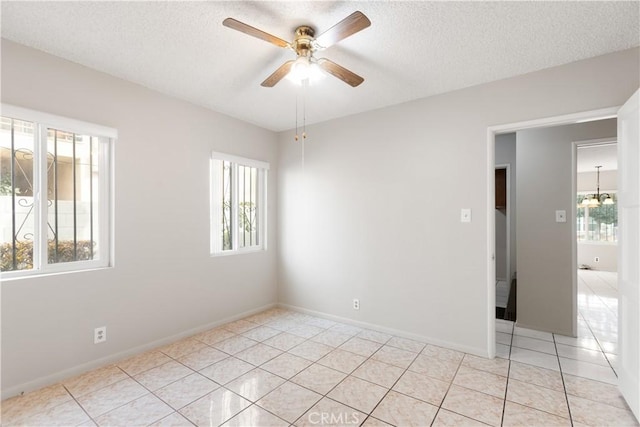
x: 320, y: 213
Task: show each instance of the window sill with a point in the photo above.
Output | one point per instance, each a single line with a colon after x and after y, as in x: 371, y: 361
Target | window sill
x: 596, y: 243
x: 22, y: 276
x: 240, y: 252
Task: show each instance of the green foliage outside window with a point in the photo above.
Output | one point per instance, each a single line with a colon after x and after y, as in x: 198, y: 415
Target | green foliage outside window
x: 247, y: 217
x: 24, y: 253
x: 598, y: 223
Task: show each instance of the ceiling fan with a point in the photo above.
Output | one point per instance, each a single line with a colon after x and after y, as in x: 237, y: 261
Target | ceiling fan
x: 305, y: 45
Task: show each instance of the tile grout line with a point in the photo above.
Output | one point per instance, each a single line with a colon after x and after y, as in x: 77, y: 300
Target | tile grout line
x: 326, y: 395
x: 599, y: 346
x: 285, y: 380
x: 151, y: 392
x: 309, y: 339
x: 254, y: 403
x: 124, y: 404
x: 564, y: 357
x: 306, y: 339
x: 447, y: 392
x: 562, y: 377
x: 543, y: 386
x: 564, y: 386
x: 506, y: 387
x: 175, y: 359
x: 394, y: 383
x: 78, y: 403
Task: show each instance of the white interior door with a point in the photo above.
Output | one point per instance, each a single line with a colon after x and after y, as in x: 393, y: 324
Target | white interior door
x: 629, y: 251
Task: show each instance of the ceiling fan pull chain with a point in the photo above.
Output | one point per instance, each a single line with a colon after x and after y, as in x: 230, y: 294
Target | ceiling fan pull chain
x: 304, y: 109
x: 304, y: 117
x: 296, y: 135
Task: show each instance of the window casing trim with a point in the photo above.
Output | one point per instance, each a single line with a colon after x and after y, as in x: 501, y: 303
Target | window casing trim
x: 239, y: 160
x: 58, y: 122
x: 43, y: 122
x: 216, y: 204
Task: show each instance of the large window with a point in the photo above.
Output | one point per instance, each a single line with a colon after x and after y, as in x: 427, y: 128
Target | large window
x: 238, y: 204
x: 54, y: 193
x: 598, y: 223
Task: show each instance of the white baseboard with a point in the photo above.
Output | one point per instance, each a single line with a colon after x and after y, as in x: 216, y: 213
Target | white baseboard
x: 538, y: 328
x: 104, y: 361
x: 482, y: 352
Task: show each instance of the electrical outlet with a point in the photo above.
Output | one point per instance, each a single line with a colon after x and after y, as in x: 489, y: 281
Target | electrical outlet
x: 99, y: 334
x: 596, y: 259
x: 465, y: 215
x: 356, y: 304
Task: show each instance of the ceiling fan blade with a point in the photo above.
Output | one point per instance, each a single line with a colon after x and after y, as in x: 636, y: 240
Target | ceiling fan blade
x: 340, y: 72
x: 278, y: 74
x: 353, y: 23
x: 248, y: 29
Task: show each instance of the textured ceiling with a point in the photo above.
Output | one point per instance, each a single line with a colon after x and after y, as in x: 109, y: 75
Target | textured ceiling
x: 412, y: 49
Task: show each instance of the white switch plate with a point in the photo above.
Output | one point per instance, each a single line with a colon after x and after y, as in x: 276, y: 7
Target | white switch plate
x: 465, y: 215
x: 561, y: 216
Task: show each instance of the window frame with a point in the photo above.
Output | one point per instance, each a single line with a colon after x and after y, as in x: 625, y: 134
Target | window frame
x: 216, y: 208
x: 587, y: 216
x: 42, y: 123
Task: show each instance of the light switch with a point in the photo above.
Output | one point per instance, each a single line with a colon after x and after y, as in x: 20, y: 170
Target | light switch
x: 561, y: 216
x: 465, y: 215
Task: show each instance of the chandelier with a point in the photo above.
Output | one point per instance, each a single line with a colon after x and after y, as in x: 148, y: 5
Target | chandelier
x: 594, y: 200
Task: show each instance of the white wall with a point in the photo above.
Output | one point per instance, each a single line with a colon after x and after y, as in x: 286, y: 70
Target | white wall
x: 506, y: 155
x: 164, y: 282
x: 375, y: 211
x: 545, y: 184
x: 607, y: 254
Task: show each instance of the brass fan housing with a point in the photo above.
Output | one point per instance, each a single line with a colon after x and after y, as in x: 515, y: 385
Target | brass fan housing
x: 303, y: 43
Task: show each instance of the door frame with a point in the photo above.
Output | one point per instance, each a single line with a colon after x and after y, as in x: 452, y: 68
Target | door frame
x: 574, y: 177
x: 492, y: 131
x: 507, y: 167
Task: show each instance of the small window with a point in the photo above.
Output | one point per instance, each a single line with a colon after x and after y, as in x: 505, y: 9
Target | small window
x: 598, y: 223
x: 238, y: 204
x: 55, y: 196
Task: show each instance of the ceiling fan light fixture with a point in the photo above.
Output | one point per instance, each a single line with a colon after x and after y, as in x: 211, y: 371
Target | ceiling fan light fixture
x: 300, y: 70
x: 316, y: 73
x: 305, y: 68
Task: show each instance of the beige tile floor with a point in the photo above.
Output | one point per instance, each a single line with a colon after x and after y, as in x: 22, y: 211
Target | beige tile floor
x: 282, y: 368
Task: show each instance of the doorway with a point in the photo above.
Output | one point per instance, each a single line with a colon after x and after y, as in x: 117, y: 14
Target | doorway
x: 492, y: 134
x: 562, y: 216
x: 597, y: 244
x: 502, y: 215
x: 505, y: 236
